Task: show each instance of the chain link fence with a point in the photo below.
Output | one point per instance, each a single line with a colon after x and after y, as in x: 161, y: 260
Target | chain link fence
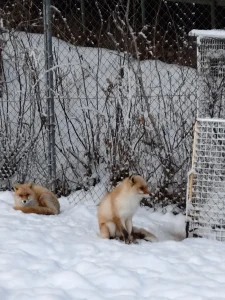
x: 124, y: 87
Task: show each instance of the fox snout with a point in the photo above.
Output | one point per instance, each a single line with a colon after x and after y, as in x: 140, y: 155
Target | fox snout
x: 24, y: 201
x: 145, y: 192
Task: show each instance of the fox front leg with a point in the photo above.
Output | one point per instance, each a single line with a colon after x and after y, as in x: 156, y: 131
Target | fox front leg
x: 126, y: 236
x: 127, y: 232
x: 129, y: 227
x: 120, y: 224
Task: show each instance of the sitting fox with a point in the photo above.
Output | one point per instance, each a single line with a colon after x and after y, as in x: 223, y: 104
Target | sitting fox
x: 30, y: 198
x: 117, y: 208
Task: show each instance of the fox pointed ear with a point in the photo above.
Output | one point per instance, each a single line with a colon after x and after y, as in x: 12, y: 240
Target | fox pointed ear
x: 16, y: 186
x: 131, y: 178
x: 30, y: 184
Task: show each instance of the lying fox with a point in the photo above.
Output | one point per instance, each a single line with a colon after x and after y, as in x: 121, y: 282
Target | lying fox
x: 30, y: 198
x: 117, y: 208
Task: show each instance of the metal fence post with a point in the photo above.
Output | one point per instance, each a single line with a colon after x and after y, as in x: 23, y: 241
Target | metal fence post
x: 83, y: 17
x: 49, y: 93
x: 213, y: 14
x: 143, y: 12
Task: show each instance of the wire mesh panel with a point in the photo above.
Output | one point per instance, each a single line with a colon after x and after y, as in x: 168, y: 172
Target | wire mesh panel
x: 23, y: 134
x: 206, y: 205
x: 206, y: 187
x: 211, y: 73
x: 120, y: 106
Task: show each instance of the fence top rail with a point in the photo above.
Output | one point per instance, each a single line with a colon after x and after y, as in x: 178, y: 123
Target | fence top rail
x: 214, y: 33
x: 210, y: 120
x: 203, y: 2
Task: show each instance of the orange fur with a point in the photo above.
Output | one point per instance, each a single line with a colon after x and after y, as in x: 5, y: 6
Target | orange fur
x: 30, y: 198
x: 117, y: 208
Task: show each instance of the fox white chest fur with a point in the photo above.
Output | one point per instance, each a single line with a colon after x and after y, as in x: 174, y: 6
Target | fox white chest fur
x: 127, y: 205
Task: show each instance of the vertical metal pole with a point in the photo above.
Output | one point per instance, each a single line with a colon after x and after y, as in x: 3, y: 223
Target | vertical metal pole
x: 83, y: 17
x: 213, y: 14
x: 49, y: 93
x: 143, y: 12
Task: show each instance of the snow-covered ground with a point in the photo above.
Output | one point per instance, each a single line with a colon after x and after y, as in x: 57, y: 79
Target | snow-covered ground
x: 62, y: 258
